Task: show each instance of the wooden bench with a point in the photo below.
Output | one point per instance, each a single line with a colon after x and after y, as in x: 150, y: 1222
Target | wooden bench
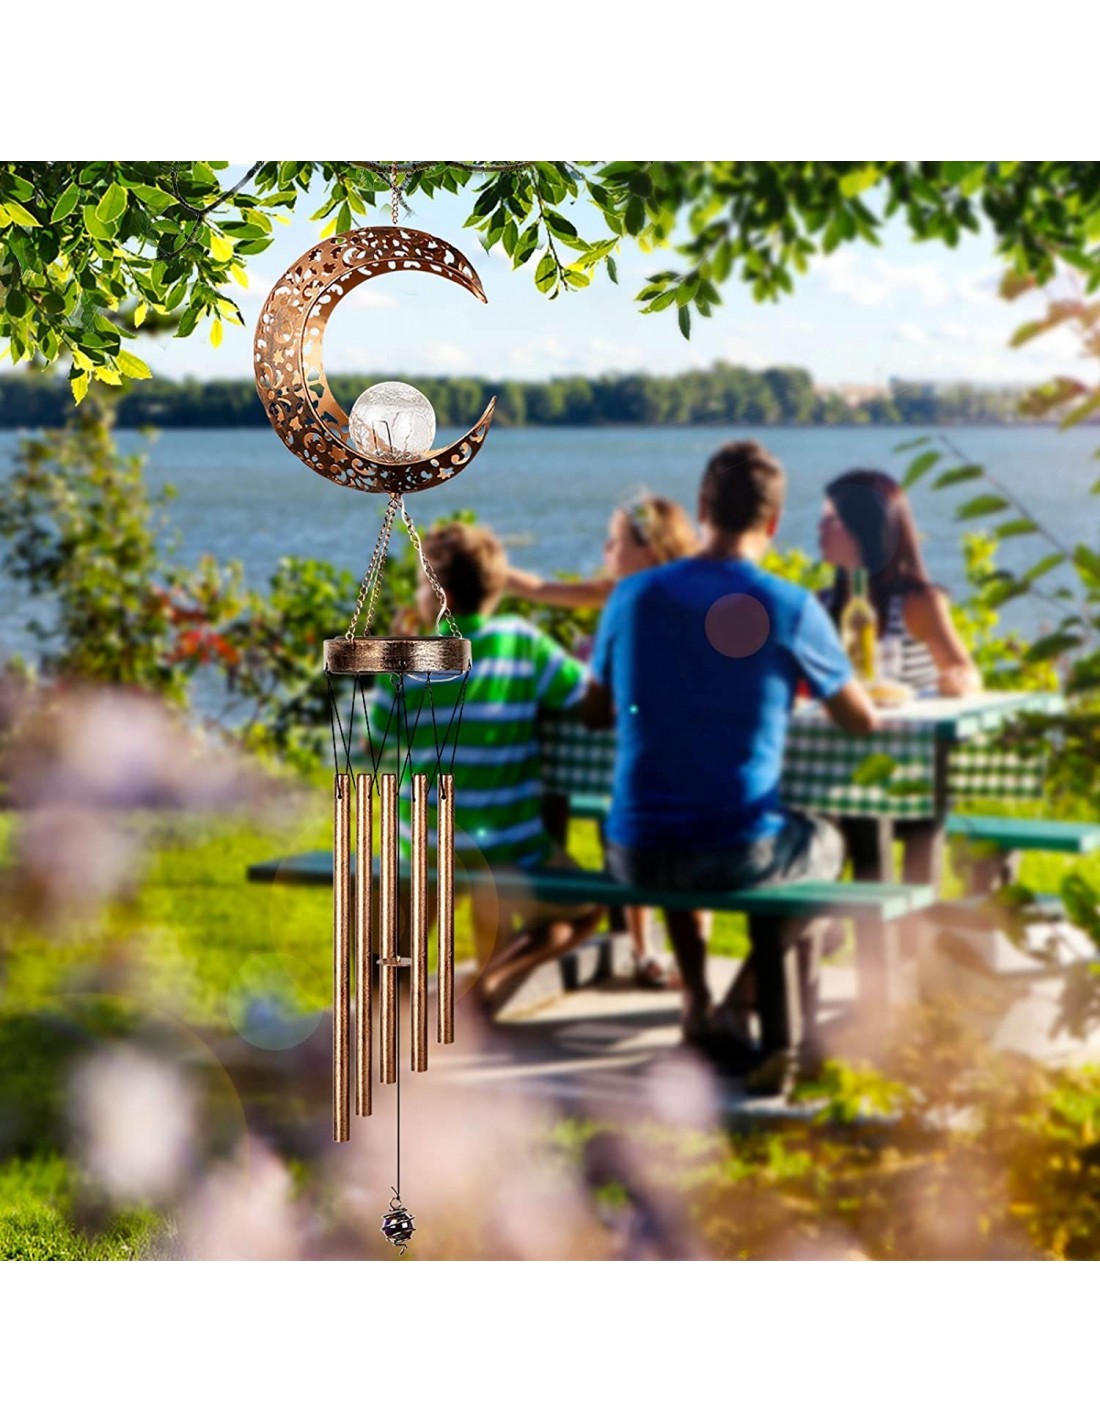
x: 1061, y: 836
x: 882, y: 903
x: 1000, y: 840
x: 804, y: 901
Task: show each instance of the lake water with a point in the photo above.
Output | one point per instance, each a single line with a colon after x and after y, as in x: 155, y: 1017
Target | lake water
x: 241, y: 494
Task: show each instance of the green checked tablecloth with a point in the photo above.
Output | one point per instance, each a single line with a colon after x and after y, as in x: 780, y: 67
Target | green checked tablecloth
x: 889, y: 774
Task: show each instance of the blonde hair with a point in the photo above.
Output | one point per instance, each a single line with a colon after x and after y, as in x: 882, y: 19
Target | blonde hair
x: 662, y: 526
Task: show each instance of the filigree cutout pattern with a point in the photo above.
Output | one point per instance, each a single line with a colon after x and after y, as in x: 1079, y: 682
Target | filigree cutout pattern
x: 290, y: 369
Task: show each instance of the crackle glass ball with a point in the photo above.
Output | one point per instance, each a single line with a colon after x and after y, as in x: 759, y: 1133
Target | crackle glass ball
x: 392, y: 423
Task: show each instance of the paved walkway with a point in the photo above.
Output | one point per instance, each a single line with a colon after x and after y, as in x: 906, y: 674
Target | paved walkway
x: 595, y: 1047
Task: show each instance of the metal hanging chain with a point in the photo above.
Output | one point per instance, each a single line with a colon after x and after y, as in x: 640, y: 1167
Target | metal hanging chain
x: 395, y: 195
x: 372, y: 578
x: 444, y: 614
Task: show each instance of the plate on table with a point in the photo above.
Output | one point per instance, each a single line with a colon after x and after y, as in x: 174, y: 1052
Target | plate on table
x: 890, y: 694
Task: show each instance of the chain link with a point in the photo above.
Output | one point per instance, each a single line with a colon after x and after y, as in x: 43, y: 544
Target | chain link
x: 372, y: 578
x: 395, y: 196
x: 444, y: 613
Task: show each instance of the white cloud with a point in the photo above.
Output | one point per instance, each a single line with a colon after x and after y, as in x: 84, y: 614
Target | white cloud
x: 446, y: 358
x: 915, y: 335
x: 368, y: 295
x: 869, y: 279
x: 741, y: 351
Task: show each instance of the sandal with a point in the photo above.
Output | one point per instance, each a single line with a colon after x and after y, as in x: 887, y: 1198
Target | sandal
x: 653, y: 973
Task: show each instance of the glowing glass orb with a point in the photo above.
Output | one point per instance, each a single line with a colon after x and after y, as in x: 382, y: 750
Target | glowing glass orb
x: 392, y: 423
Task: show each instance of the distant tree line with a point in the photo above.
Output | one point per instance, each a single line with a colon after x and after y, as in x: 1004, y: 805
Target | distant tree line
x: 724, y: 394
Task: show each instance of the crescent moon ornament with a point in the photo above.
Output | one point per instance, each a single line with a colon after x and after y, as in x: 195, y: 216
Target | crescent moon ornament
x: 290, y: 368
x: 379, y: 924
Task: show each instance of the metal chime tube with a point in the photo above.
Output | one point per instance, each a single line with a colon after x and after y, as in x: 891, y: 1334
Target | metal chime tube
x: 387, y: 927
x: 418, y: 922
x: 341, y: 961
x: 445, y: 877
x: 364, y: 958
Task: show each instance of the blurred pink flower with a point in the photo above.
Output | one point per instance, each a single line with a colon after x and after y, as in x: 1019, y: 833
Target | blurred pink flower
x: 244, y: 1210
x: 133, y: 1118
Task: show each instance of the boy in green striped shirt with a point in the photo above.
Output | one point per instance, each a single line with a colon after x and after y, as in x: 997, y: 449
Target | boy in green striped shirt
x: 498, y: 785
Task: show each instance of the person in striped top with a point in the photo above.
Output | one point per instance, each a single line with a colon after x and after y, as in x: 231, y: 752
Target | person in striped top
x: 517, y: 670
x: 867, y: 523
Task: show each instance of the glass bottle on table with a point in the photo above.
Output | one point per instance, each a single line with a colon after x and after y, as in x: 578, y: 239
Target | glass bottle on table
x: 859, y: 629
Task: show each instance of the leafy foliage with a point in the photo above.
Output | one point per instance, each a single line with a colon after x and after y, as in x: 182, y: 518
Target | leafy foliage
x: 90, y: 251
x: 84, y: 532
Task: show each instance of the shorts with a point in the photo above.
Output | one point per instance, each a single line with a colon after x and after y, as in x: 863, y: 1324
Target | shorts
x: 807, y: 847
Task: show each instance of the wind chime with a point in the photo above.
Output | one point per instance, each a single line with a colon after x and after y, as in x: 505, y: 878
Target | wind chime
x: 382, y: 448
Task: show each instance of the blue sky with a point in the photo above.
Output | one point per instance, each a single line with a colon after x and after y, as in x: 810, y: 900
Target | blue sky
x: 917, y: 310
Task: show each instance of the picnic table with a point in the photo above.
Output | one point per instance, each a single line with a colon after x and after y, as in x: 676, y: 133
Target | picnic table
x: 925, y: 757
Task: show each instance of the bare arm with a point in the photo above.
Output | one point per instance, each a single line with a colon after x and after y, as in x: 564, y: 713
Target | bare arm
x: 555, y: 592
x: 928, y: 618
x: 596, y: 709
x: 852, y: 710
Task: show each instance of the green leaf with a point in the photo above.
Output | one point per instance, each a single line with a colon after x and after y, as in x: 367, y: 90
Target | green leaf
x: 112, y: 205
x: 132, y: 365
x: 546, y: 273
x: 95, y: 227
x: 15, y: 303
x: 683, y: 318
x: 1044, y: 565
x: 920, y: 466
x: 1082, y: 411
x: 1014, y: 527
x: 874, y: 770
x: 19, y: 215
x: 960, y: 475
x: 1088, y: 560
x: 560, y: 226
x: 65, y: 203
x: 911, y: 443
x: 1051, y: 646
x: 612, y: 270
x: 852, y: 184
x: 634, y: 216
x: 983, y: 504
x: 154, y: 199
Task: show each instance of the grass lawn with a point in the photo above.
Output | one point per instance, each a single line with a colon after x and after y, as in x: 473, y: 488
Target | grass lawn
x: 185, y: 957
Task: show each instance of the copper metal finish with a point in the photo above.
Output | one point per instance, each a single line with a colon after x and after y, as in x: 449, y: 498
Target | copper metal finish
x: 348, y: 656
x: 445, y: 876
x: 418, y: 922
x: 364, y: 956
x: 290, y: 370
x: 387, y: 927
x: 341, y: 960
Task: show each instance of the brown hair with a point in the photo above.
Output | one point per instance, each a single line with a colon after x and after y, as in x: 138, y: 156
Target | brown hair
x: 743, y: 486
x: 873, y: 508
x: 662, y: 526
x: 470, y: 563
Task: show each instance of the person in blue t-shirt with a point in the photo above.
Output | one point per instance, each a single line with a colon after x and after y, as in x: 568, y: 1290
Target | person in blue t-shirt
x: 699, y: 660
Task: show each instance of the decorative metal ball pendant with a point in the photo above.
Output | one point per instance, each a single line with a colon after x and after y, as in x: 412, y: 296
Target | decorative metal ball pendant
x: 398, y: 1225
